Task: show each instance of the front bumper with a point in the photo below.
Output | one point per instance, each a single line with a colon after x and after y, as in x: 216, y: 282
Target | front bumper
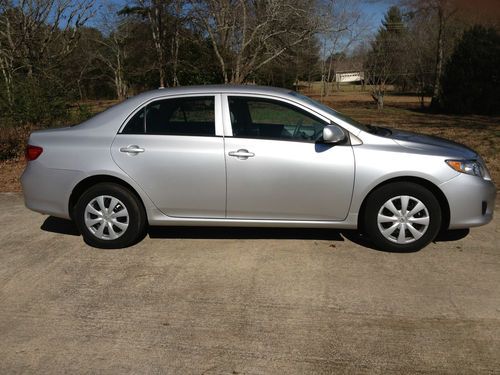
x: 471, y: 200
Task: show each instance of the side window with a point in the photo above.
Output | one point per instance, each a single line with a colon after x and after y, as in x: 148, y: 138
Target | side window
x: 270, y: 119
x: 136, y: 124
x: 179, y: 116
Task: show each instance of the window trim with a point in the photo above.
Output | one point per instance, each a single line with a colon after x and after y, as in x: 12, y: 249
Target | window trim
x: 228, y: 130
x: 219, y: 132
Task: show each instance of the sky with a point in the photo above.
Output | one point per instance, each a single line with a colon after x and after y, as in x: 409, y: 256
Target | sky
x: 374, y: 11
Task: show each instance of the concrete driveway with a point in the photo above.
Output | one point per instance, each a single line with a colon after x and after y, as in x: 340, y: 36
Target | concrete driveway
x: 243, y: 301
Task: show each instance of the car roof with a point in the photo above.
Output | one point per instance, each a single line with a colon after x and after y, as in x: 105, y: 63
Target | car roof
x: 213, y: 89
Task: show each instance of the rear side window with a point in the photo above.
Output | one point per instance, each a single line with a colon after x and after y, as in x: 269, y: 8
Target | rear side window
x: 180, y: 116
x: 136, y: 124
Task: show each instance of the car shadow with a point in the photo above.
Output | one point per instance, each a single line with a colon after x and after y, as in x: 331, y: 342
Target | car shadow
x: 63, y: 226
x: 251, y: 233
x: 452, y: 235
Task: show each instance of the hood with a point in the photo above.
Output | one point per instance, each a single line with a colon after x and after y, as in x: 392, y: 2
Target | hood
x: 430, y: 143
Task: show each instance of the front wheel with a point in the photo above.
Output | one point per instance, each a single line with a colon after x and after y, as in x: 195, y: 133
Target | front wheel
x: 110, y: 216
x: 402, y: 216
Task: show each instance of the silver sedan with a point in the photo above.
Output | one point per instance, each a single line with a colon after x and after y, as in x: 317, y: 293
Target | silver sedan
x: 251, y: 156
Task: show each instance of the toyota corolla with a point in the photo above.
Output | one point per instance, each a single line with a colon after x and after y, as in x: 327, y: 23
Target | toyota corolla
x: 251, y: 156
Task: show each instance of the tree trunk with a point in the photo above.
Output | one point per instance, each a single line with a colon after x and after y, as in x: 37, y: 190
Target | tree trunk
x: 439, y: 59
x: 175, y: 78
x: 6, y: 66
x: 155, y: 17
x: 422, y: 94
x: 120, y: 83
x: 378, y: 96
x: 8, y: 86
x: 175, y: 46
x: 380, y: 102
x: 329, y: 76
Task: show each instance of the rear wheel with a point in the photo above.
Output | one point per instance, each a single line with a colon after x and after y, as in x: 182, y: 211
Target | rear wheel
x: 402, y: 216
x: 110, y: 216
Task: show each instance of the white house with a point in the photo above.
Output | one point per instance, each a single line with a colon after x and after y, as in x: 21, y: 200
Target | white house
x: 349, y: 76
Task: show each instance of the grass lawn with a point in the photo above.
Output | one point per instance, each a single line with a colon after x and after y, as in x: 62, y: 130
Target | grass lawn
x: 481, y: 133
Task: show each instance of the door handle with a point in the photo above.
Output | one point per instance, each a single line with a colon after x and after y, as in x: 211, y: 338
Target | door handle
x: 132, y: 149
x: 241, y: 154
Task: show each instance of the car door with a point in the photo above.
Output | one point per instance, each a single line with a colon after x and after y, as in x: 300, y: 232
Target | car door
x: 171, y: 148
x: 276, y: 167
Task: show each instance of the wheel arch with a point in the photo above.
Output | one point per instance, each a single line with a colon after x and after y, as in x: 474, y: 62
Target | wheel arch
x: 86, y: 183
x: 434, y: 189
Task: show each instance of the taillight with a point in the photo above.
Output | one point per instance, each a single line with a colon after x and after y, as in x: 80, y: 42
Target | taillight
x: 33, y: 152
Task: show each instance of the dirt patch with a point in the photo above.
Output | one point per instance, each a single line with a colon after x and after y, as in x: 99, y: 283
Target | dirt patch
x: 11, y: 171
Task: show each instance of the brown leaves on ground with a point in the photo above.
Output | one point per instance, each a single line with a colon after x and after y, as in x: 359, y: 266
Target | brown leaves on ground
x: 10, y: 172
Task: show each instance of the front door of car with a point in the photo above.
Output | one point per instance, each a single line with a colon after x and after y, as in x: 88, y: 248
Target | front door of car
x: 170, y: 148
x: 277, y: 169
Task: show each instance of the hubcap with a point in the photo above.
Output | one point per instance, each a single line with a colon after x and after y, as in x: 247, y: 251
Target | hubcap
x: 106, y: 217
x: 403, y: 219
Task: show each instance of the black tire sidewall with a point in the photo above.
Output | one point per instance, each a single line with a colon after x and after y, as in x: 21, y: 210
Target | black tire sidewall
x: 381, y: 195
x: 137, y: 216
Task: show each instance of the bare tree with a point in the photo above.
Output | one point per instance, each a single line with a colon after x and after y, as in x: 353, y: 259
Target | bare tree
x: 384, y: 62
x: 419, y: 60
x: 342, y: 26
x: 379, y: 73
x: 116, y: 29
x: 155, y: 10
x: 443, y: 11
x: 166, y: 18
x: 36, y: 35
x: 247, y: 35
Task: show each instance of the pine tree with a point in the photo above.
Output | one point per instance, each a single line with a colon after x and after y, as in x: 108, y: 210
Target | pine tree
x: 471, y: 79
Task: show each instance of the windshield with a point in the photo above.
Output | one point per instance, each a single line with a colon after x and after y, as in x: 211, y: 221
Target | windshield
x: 331, y: 111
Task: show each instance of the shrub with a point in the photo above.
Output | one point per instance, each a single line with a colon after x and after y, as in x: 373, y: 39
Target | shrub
x: 13, y: 141
x: 38, y: 102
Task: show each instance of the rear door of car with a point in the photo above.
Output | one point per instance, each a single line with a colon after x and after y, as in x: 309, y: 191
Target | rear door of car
x: 277, y: 169
x: 174, y: 149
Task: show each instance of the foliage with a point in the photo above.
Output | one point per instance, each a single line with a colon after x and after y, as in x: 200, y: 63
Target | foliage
x: 41, y: 102
x: 471, y: 77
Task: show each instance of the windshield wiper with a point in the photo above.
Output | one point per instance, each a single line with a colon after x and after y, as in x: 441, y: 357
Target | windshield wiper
x: 372, y: 129
x: 378, y: 130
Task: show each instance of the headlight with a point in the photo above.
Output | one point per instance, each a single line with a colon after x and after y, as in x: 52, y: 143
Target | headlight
x: 472, y: 167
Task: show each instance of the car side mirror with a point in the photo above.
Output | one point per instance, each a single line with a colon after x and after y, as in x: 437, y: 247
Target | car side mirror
x: 333, y: 134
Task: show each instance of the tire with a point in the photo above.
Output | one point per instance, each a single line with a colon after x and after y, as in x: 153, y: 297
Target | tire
x: 421, y: 220
x: 121, y: 223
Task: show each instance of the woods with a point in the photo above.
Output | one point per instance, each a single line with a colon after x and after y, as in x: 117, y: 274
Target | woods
x: 55, y: 53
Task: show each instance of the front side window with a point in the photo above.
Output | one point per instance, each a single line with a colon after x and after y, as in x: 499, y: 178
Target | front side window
x: 271, y: 119
x: 331, y: 111
x: 179, y: 116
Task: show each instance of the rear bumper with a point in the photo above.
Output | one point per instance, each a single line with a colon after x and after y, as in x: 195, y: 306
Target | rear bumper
x: 471, y: 200
x: 47, y: 190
